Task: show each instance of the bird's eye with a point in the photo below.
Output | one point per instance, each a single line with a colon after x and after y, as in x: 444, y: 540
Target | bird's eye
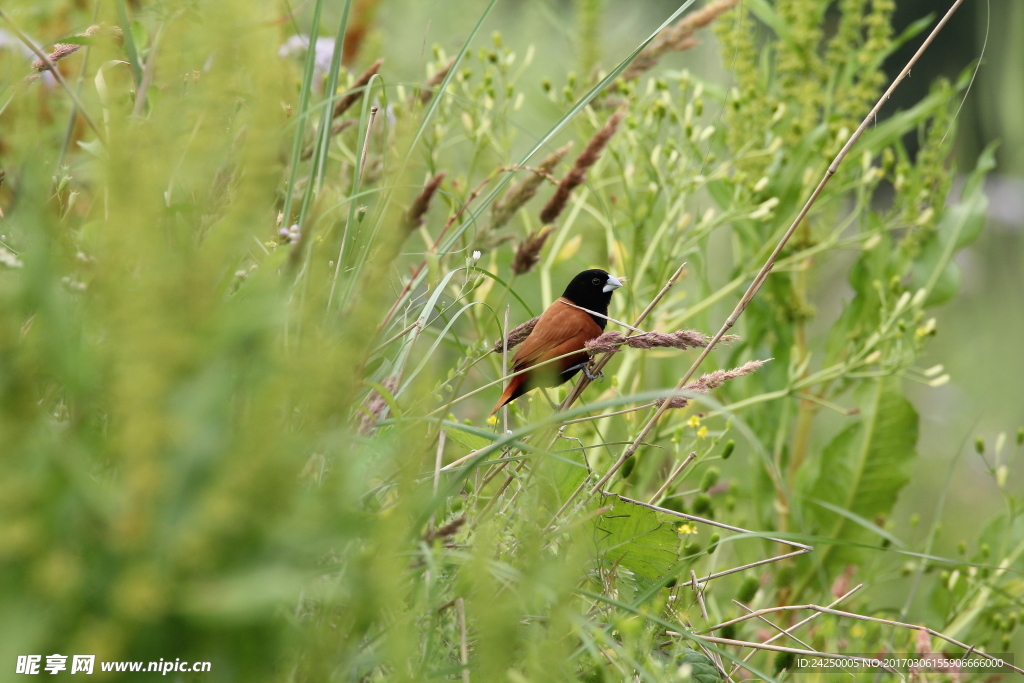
x: 596, y: 281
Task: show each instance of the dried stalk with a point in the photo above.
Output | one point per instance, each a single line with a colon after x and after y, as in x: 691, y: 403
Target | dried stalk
x: 797, y: 625
x: 854, y: 615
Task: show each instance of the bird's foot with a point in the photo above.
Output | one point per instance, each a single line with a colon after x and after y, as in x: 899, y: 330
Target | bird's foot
x: 591, y: 376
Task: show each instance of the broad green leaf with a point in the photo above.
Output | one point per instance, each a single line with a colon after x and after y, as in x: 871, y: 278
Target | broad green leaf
x: 862, y: 469
x: 635, y: 537
x: 702, y: 669
x: 473, y: 442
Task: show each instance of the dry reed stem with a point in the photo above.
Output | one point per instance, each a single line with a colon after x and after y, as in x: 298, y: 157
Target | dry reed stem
x: 524, y: 190
x: 861, y: 617
x: 528, y: 253
x: 781, y: 648
x: 767, y: 267
x: 578, y: 173
x: 797, y: 625
x: 677, y: 38
x: 435, y: 81
x: 356, y: 91
x: 781, y: 631
x: 672, y: 477
x: 414, y: 217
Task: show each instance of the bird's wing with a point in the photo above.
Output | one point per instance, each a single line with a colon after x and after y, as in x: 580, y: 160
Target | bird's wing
x: 561, y: 329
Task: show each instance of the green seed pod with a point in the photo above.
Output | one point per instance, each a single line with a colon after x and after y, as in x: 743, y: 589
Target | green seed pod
x: 748, y: 590
x: 728, y: 631
x: 674, y: 503
x: 979, y: 444
x: 702, y: 505
x: 783, y: 661
x: 784, y: 576
x: 1020, y: 436
x: 710, y: 478
x: 727, y: 450
x: 713, y: 543
x: 627, y: 467
x: 692, y: 547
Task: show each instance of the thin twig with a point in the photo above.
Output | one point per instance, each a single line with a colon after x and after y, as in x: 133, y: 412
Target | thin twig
x: 672, y: 477
x: 800, y: 623
x: 854, y: 615
x: 601, y: 315
x: 366, y: 140
x: 793, y: 650
x: 767, y: 267
x: 782, y: 631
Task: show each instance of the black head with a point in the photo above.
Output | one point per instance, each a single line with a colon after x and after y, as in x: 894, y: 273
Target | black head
x: 593, y: 289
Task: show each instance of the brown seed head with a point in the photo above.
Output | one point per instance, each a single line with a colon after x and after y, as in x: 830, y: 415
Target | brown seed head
x: 357, y: 89
x: 578, y: 174
x: 529, y: 251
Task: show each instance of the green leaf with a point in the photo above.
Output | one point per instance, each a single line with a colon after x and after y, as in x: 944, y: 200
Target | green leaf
x: 862, y: 469
x: 129, y: 42
x: 702, y: 669
x: 473, y: 442
x: 636, y: 538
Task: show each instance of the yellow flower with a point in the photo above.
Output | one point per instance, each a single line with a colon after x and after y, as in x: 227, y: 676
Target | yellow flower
x: 694, y: 421
x: 702, y: 432
x: 492, y: 420
x: 687, y: 528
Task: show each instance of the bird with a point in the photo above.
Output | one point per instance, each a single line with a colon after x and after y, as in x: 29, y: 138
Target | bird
x: 562, y: 328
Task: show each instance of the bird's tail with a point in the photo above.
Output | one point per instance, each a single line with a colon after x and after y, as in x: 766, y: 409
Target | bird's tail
x: 514, y: 389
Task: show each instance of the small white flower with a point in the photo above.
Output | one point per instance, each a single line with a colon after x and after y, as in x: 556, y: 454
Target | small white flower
x: 476, y: 255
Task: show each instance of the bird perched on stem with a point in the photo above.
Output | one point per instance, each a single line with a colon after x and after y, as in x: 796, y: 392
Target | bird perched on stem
x: 562, y: 329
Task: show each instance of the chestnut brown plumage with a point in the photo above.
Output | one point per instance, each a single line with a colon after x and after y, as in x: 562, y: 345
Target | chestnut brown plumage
x: 562, y: 330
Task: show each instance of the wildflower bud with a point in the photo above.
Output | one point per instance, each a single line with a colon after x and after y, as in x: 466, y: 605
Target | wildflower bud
x: 783, y: 661
x: 1020, y: 436
x: 713, y: 542
x: 1002, y: 473
x: 979, y: 444
x: 961, y: 547
x: 907, y: 569
x: 727, y: 450
x: 748, y: 590
x: 702, y: 505
x: 710, y: 478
